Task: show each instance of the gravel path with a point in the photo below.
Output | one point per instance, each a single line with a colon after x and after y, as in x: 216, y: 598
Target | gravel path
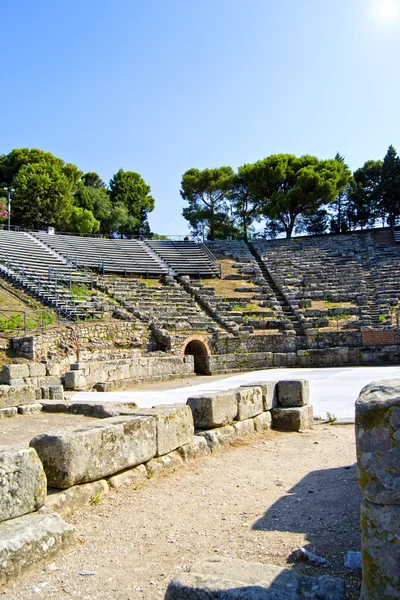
x: 256, y: 500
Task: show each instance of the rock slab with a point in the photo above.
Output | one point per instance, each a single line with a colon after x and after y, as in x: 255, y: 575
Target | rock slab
x: 96, y: 450
x: 31, y: 539
x: 292, y: 419
x: 378, y: 441
x: 22, y: 482
x: 293, y: 392
x: 213, y: 410
x: 234, y: 579
x: 269, y: 393
x: 249, y: 402
x: 174, y: 426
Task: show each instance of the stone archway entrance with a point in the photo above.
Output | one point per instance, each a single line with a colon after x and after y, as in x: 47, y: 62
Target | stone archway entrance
x: 199, y: 349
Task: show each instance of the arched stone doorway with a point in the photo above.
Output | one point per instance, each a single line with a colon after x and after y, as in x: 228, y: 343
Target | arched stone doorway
x: 199, y: 349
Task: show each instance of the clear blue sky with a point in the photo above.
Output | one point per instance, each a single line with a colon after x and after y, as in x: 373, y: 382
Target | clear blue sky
x: 160, y: 86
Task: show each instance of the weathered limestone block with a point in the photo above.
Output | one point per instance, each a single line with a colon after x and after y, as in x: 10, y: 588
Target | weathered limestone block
x: 6, y: 413
x: 29, y: 409
x: 174, y: 425
x: 244, y: 428
x: 378, y: 441
x: 22, y: 482
x: 69, y: 501
x: 54, y: 407
x: 37, y: 370
x: 96, y: 450
x: 380, y: 543
x: 56, y: 392
x: 167, y: 463
x: 213, y: 410
x: 293, y: 393
x: 74, y: 380
x: 12, y: 372
x: 292, y: 419
x: 16, y: 395
x: 31, y: 539
x: 235, y: 579
x: 249, y: 402
x: 262, y: 421
x: 134, y: 477
x: 269, y: 393
x: 197, y: 447
x: 219, y: 437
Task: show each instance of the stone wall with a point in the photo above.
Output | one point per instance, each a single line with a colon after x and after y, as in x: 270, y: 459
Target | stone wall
x: 110, y: 374
x: 327, y: 357
x: 378, y: 458
x: 123, y: 334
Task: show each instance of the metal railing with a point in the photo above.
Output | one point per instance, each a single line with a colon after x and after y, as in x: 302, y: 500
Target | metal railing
x: 12, y: 321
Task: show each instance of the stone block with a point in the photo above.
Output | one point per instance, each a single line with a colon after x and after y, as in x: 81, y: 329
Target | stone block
x: 11, y: 372
x: 37, y: 370
x: 293, y: 392
x: 133, y: 477
x: 174, y: 425
x: 29, y: 409
x: 262, y: 421
x: 56, y: 392
x: 30, y: 540
x: 49, y: 380
x: 214, y: 409
x: 22, y: 482
x: 244, y: 428
x: 219, y: 437
x: 45, y: 393
x: 69, y: 501
x: 167, y: 463
x: 196, y: 448
x: 269, y: 393
x: 5, y: 413
x: 74, y: 380
x: 378, y: 441
x: 54, y: 407
x: 249, y: 402
x: 13, y: 396
x: 380, y: 545
x: 96, y: 450
x: 235, y: 579
x: 291, y: 419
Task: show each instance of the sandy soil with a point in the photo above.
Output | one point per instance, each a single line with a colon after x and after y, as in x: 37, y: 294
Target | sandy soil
x: 256, y: 500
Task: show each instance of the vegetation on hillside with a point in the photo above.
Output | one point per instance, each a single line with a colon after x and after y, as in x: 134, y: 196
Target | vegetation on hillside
x: 293, y: 194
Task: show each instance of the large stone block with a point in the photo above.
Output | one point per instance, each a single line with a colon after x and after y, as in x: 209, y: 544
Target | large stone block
x: 11, y: 372
x: 378, y: 441
x: 235, y: 579
x: 293, y: 392
x: 244, y: 428
x: 174, y: 425
x: 133, y: 477
x: 96, y: 450
x: 292, y: 419
x: 214, y: 409
x: 31, y: 539
x: 262, y: 421
x: 166, y: 463
x: 67, y: 502
x: 249, y: 402
x: 269, y: 393
x: 197, y: 447
x: 219, y: 437
x: 15, y: 395
x: 74, y: 380
x: 22, y: 482
x: 380, y: 545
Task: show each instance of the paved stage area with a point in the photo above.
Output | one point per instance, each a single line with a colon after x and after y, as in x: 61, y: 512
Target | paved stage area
x: 332, y: 390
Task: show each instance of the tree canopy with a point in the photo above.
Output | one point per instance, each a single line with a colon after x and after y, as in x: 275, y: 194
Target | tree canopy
x: 206, y: 193
x: 49, y: 191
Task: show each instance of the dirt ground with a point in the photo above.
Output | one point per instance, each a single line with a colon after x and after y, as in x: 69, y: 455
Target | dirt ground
x: 256, y: 500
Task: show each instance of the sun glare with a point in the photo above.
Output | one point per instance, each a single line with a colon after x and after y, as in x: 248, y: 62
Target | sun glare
x: 386, y: 11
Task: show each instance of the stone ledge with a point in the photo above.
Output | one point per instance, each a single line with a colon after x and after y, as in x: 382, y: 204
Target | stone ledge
x: 31, y: 539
